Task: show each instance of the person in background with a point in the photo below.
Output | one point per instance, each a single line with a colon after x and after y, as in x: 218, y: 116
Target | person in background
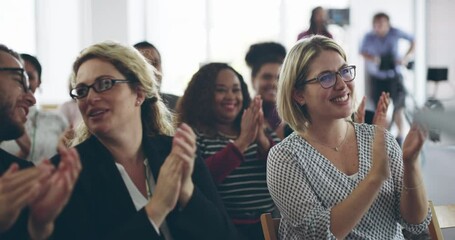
x: 71, y: 112
x: 233, y: 140
x: 43, y: 128
x: 138, y: 182
x: 31, y: 198
x: 318, y: 24
x: 383, y: 65
x: 265, y: 61
x: 332, y: 178
x: 152, y: 54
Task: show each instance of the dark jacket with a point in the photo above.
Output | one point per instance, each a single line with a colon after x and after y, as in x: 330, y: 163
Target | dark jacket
x: 101, y: 207
x: 19, y: 229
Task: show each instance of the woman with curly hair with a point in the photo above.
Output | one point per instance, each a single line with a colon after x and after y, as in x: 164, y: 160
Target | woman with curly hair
x: 233, y: 141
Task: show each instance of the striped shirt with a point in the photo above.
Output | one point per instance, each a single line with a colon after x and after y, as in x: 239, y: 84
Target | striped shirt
x: 240, y: 177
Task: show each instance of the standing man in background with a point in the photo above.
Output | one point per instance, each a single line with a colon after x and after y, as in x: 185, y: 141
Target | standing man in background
x: 383, y: 62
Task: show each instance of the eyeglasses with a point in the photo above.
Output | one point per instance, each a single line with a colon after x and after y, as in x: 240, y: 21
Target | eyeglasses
x: 23, y: 77
x: 100, y: 85
x: 329, y: 79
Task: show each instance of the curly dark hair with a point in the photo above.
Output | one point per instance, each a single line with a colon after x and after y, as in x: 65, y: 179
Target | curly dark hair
x: 262, y: 53
x: 196, y: 106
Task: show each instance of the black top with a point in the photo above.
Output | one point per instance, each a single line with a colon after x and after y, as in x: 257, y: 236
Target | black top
x: 101, y: 207
x: 170, y: 100
x: 19, y: 229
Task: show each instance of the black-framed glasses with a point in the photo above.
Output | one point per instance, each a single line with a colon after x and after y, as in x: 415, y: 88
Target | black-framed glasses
x: 23, y: 77
x: 329, y: 79
x: 100, y: 85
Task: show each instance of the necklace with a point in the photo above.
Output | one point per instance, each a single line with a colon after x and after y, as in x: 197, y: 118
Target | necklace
x: 336, y: 148
x: 227, y: 135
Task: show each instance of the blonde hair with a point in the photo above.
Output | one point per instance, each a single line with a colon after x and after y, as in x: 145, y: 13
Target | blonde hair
x: 294, y: 72
x: 156, y: 118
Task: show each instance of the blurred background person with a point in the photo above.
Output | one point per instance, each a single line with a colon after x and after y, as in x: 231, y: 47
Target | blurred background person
x: 70, y: 111
x: 264, y: 60
x: 43, y: 128
x: 152, y: 54
x: 383, y: 65
x: 234, y: 141
x: 318, y: 24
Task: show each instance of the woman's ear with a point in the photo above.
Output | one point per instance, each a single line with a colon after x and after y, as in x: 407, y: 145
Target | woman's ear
x: 140, y: 96
x: 297, y: 96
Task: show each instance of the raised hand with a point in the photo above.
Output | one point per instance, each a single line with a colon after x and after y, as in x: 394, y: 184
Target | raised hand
x: 381, y: 167
x: 261, y: 139
x: 185, y: 144
x: 168, y: 186
x: 17, y: 190
x: 380, y: 115
x: 413, y: 143
x: 249, y: 126
x: 55, y: 193
x: 359, y: 116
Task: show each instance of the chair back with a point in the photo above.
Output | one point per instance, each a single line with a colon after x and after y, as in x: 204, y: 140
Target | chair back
x: 433, y: 228
x: 270, y: 226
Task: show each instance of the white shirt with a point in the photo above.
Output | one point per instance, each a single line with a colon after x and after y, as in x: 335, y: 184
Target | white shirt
x: 44, y: 129
x: 138, y: 199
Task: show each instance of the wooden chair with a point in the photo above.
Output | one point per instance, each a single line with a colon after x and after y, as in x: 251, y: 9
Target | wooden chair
x: 270, y: 226
x: 434, y: 229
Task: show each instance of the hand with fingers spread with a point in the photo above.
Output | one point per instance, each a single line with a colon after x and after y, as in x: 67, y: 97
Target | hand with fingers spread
x: 185, y: 142
x: 18, y: 188
x: 55, y: 193
x: 380, y: 169
x: 380, y: 115
x: 249, y: 126
x: 413, y: 143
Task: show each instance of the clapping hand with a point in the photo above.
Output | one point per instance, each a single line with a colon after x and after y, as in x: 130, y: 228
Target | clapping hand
x: 381, y: 166
x: 380, y: 114
x: 55, y: 193
x: 18, y: 188
x: 413, y: 143
x: 174, y: 182
x: 249, y: 125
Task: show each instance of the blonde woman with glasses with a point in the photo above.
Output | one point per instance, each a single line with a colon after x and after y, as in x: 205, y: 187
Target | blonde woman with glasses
x: 332, y: 178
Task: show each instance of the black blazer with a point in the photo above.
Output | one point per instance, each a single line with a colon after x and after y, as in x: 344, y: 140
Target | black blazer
x: 101, y: 207
x: 19, y: 229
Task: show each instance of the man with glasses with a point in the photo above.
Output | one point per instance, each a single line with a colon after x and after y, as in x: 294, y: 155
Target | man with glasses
x: 43, y: 129
x: 29, y: 188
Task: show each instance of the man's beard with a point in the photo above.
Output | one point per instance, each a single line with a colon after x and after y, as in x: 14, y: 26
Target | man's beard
x: 9, y: 129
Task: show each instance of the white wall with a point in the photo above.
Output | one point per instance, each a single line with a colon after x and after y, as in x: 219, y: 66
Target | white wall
x: 441, y: 50
x: 65, y: 27
x: 58, y: 42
